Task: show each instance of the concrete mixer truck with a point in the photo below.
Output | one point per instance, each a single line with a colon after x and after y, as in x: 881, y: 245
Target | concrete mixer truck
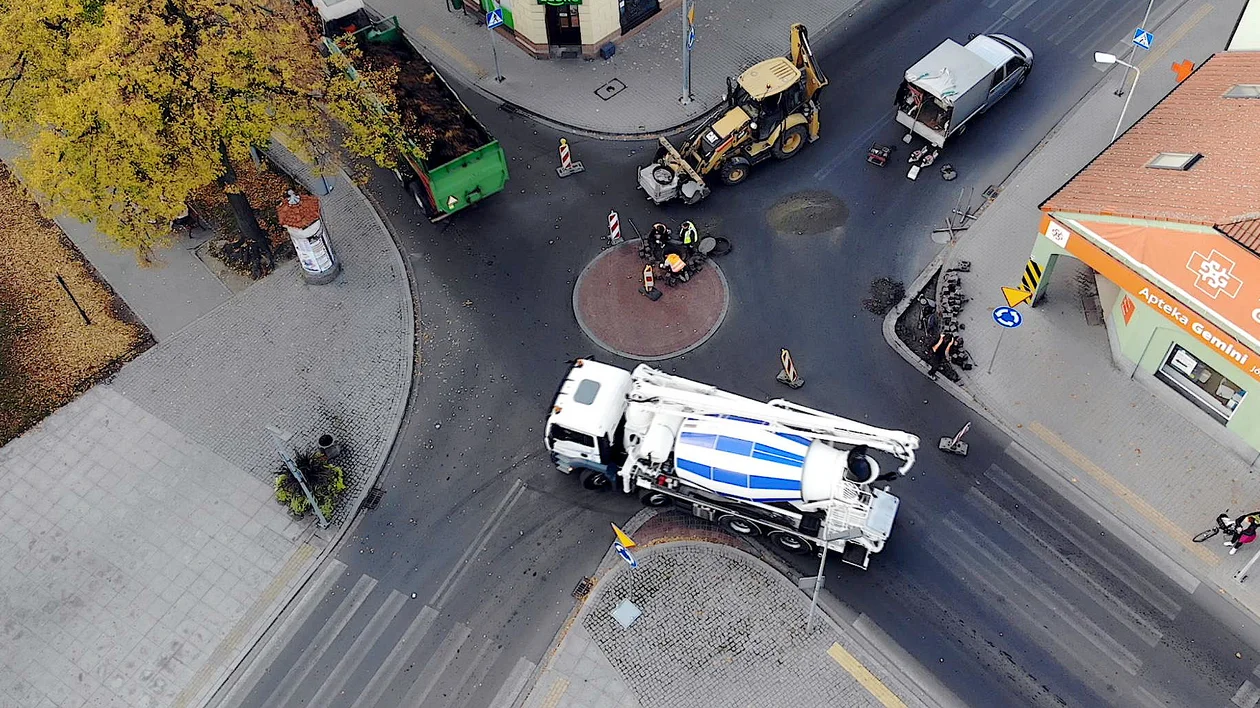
x: 803, y: 478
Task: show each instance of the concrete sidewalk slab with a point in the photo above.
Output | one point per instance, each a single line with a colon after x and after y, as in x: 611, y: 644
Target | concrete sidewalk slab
x: 1053, y: 384
x: 731, y: 36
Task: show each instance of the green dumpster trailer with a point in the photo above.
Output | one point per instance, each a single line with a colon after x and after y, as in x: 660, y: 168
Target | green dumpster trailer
x: 449, y: 179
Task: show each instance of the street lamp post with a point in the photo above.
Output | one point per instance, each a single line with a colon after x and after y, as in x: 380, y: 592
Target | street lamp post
x: 1105, y: 58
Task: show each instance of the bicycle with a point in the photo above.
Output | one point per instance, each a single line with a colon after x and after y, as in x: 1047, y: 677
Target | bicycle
x: 1225, y: 523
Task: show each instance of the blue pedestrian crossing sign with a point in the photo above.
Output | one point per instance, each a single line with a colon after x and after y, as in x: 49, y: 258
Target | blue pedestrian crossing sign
x: 1142, y: 38
x: 691, y: 37
x: 1008, y: 317
x: 494, y: 18
x: 625, y: 555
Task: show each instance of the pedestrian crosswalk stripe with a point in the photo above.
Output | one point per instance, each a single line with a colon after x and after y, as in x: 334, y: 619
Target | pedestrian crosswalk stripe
x: 427, y: 680
x: 350, y: 661
x: 394, y: 662
x: 294, y: 678
x: 1032, y: 276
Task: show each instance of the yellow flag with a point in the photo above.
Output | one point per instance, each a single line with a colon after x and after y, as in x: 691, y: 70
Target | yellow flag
x: 623, y: 538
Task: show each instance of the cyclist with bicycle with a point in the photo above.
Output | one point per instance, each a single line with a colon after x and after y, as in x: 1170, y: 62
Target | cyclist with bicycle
x: 1245, y: 531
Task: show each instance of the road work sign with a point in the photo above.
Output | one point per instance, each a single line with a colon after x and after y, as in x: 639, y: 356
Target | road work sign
x: 623, y: 538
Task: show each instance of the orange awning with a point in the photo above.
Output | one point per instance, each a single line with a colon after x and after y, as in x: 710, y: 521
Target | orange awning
x: 1194, y: 280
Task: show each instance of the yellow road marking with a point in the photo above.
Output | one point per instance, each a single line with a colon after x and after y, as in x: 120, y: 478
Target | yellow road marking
x: 1148, y: 512
x: 428, y: 36
x: 1175, y: 36
x: 863, y: 675
x: 556, y: 693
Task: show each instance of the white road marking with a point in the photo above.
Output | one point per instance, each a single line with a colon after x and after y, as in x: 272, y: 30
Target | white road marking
x: 1067, y: 613
x: 496, y: 517
x: 511, y: 690
x: 296, y: 675
x: 311, y: 596
x: 393, y: 663
x: 340, y: 675
x: 1107, y: 600
x: 437, y: 664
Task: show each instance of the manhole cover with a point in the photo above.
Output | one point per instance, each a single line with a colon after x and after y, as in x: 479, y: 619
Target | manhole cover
x: 610, y: 89
x: 809, y: 212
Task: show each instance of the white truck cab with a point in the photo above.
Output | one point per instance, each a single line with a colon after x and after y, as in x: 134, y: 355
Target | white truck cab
x: 954, y: 83
x: 586, y: 418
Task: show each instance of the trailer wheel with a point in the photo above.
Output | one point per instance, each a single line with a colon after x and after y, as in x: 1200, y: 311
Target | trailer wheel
x: 421, y: 199
x: 790, y: 542
x: 739, y: 526
x: 790, y: 142
x: 595, y: 481
x: 735, y: 170
x: 654, y: 499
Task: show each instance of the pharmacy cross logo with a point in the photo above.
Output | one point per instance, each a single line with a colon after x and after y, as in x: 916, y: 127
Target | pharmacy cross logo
x: 1215, y: 274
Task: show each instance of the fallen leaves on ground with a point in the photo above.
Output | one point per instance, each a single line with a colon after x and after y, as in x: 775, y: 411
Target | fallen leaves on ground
x: 48, y: 354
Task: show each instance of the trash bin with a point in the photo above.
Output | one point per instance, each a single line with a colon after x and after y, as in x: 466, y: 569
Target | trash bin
x: 330, y: 446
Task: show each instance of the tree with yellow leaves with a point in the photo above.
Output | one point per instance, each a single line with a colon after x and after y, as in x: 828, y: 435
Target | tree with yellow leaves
x: 126, y: 106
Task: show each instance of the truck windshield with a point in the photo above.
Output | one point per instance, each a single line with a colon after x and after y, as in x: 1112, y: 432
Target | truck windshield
x: 560, y: 433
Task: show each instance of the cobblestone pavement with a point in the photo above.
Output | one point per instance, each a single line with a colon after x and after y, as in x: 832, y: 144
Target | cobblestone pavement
x: 719, y: 627
x: 731, y: 35
x: 141, y: 550
x: 1053, y: 384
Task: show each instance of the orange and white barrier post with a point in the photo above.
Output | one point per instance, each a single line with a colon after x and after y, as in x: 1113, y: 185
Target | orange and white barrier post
x: 649, y: 285
x: 788, y: 376
x: 955, y: 444
x: 614, y: 229
x: 567, y: 165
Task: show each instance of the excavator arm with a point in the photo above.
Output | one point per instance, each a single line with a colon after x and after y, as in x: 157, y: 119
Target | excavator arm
x: 803, y: 58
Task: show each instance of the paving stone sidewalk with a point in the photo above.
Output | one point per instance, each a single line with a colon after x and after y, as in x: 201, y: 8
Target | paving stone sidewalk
x: 1053, y: 384
x: 731, y: 36
x: 719, y: 628
x: 141, y: 550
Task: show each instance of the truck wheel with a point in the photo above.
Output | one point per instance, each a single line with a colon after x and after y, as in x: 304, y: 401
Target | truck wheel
x: 654, y: 499
x: 790, y: 542
x: 595, y: 481
x: 419, y: 197
x: 739, y: 526
x: 735, y: 170
x: 790, y: 142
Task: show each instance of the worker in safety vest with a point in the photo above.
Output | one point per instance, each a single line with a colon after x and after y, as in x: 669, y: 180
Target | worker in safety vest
x: 687, y: 232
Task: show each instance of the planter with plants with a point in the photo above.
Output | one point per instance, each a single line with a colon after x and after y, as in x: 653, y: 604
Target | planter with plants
x: 327, y: 483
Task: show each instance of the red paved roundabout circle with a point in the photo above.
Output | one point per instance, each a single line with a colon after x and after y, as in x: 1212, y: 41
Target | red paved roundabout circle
x: 615, y: 316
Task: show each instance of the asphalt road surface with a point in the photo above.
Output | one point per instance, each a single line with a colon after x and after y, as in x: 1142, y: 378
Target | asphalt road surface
x: 451, y: 589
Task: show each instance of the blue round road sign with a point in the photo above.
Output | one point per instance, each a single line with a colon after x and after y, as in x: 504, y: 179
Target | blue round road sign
x: 625, y: 554
x: 1007, y: 317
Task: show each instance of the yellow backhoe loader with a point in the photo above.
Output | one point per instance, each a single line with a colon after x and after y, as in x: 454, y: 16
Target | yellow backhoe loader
x: 770, y: 110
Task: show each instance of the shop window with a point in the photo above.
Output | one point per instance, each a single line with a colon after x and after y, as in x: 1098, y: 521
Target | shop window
x: 1207, y: 387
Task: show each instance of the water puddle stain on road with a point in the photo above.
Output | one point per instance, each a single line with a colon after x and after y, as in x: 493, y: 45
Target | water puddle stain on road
x: 807, y: 213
